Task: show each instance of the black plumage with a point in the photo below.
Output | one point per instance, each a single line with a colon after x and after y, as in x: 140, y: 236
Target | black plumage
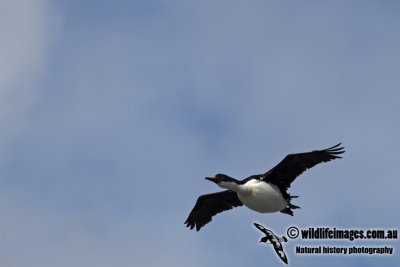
x: 293, y: 165
x: 209, y: 205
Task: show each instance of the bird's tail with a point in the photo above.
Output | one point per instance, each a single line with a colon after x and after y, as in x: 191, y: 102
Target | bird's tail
x: 290, y: 206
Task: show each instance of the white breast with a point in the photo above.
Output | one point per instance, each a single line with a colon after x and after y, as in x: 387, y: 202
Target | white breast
x: 261, y: 196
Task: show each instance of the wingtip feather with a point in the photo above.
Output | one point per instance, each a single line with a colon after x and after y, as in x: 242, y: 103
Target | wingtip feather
x: 336, y: 150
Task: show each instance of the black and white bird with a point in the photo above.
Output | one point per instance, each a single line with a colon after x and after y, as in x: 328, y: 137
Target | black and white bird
x: 263, y: 193
x: 273, y: 239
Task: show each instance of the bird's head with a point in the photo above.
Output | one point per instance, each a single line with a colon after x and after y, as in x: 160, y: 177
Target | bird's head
x: 223, y: 180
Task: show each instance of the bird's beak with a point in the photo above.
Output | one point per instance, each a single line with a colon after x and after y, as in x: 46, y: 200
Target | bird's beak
x: 212, y: 179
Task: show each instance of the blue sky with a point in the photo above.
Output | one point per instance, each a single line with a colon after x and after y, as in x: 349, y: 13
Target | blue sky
x: 112, y: 112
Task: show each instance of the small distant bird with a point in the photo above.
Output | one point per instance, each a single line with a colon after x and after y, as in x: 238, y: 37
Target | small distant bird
x: 274, y: 240
x: 262, y: 193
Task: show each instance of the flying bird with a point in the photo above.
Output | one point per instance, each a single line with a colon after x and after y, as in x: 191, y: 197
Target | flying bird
x: 264, y: 193
x: 274, y: 240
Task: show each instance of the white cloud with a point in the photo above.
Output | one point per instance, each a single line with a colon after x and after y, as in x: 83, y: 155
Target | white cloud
x: 27, y: 29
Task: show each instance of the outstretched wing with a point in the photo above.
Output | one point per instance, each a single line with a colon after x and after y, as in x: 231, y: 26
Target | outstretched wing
x: 261, y: 228
x: 280, y: 252
x: 293, y: 165
x: 209, y: 205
